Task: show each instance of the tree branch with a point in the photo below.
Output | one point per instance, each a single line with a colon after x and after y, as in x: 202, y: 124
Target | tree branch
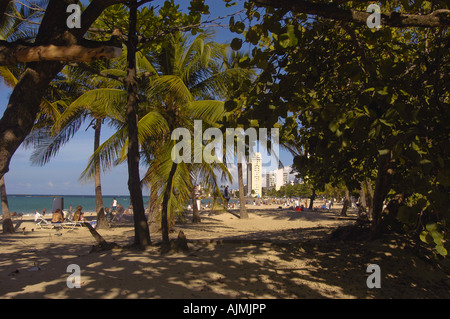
x: 11, y: 54
x: 438, y: 18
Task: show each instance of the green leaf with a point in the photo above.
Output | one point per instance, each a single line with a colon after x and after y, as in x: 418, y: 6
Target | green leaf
x: 236, y: 44
x: 284, y: 40
x: 385, y: 122
x: 333, y: 126
x: 254, y: 123
x: 441, y: 250
x: 252, y: 36
x: 424, y: 236
x: 239, y: 27
x: 437, y: 237
x: 432, y: 227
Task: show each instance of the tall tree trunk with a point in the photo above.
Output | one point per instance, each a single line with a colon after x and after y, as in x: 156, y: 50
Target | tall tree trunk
x: 21, y: 111
x: 346, y: 203
x: 153, y: 210
x: 24, y: 102
x: 243, y: 209
x: 312, y: 198
x: 8, y: 227
x: 369, y: 198
x: 382, y: 186
x: 195, y: 209
x: 142, y: 233
x: 165, y: 207
x: 362, y: 199
x: 101, y: 218
x: 362, y: 194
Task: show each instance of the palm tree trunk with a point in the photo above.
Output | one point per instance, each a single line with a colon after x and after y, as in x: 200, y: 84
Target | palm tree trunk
x: 153, y: 210
x: 142, y: 233
x: 101, y: 218
x: 8, y: 227
x: 243, y: 209
x: 165, y: 207
x: 195, y: 210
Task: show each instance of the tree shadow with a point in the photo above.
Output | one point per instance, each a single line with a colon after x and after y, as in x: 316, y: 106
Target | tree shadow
x: 288, y: 264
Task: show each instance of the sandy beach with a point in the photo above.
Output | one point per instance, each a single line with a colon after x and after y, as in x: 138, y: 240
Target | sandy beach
x: 275, y: 253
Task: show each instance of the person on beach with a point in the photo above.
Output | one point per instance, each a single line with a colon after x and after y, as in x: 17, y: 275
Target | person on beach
x: 36, y: 216
x: 226, y: 195
x: 57, y: 217
x: 43, y: 212
x: 79, y: 215
x: 120, y: 212
x: 108, y: 214
x: 114, y: 204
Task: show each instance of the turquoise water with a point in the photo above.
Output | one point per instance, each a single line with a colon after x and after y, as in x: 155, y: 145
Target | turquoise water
x: 28, y: 204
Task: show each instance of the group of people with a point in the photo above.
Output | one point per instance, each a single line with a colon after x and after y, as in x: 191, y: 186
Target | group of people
x: 78, y: 215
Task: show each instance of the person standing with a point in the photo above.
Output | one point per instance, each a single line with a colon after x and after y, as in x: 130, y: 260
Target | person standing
x: 114, y: 204
x: 226, y: 195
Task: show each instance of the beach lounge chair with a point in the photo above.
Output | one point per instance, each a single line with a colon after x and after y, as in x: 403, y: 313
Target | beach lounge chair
x: 70, y: 223
x: 43, y: 223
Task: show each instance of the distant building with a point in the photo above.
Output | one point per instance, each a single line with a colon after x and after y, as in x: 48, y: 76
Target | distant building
x: 278, y: 178
x: 254, y: 175
x: 285, y: 177
x: 271, y: 180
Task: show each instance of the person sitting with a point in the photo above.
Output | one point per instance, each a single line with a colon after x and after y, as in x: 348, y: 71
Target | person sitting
x: 108, y: 214
x: 130, y: 210
x: 57, y: 217
x: 78, y: 216
x: 120, y: 212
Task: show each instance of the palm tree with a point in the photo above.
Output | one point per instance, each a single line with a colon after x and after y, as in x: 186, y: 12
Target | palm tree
x: 188, y: 83
x: 183, y: 82
x: 88, y: 88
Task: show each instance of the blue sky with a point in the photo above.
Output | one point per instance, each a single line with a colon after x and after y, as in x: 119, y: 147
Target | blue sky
x: 61, y: 175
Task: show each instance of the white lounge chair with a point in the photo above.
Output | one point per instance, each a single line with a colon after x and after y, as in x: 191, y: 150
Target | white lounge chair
x: 70, y: 223
x: 43, y: 223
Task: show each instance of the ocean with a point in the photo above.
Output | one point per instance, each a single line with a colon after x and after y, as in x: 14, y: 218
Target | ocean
x: 29, y: 204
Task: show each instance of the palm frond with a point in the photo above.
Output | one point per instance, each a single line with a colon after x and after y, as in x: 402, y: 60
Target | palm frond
x: 108, y: 154
x: 8, y: 78
x: 48, y: 145
x: 152, y: 125
x: 101, y: 103
x: 173, y: 86
x: 209, y: 111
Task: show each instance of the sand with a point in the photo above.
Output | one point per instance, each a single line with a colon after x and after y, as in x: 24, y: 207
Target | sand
x: 275, y: 253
